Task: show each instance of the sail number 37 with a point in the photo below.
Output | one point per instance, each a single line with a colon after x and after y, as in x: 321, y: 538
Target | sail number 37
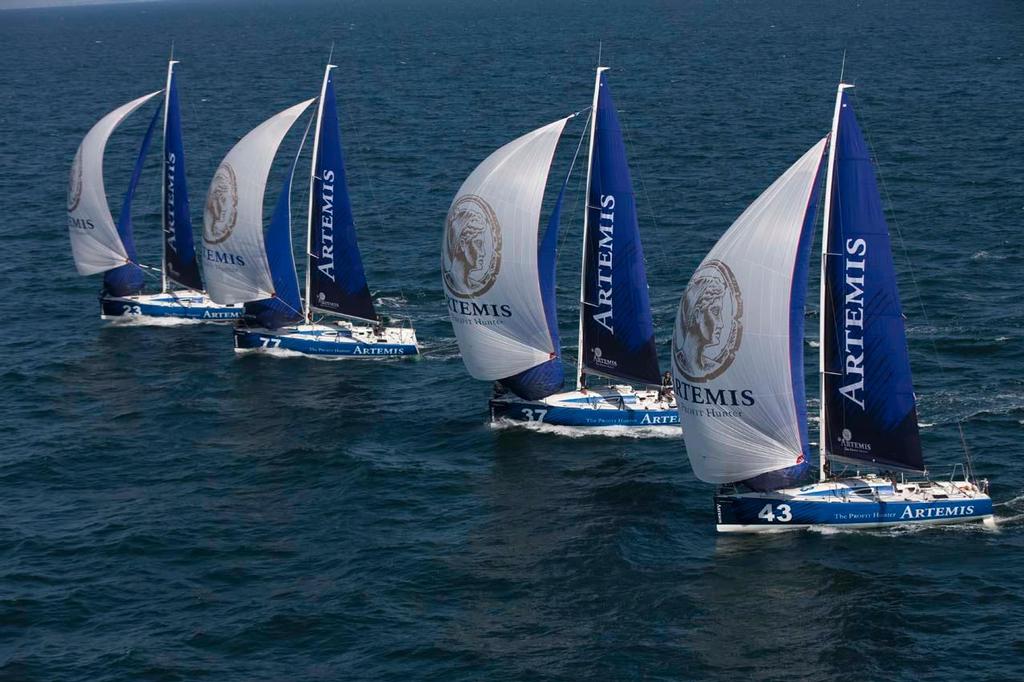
x: 780, y: 513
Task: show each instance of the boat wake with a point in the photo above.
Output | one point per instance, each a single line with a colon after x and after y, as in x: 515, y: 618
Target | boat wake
x: 442, y: 349
x: 673, y: 432
x: 146, y: 321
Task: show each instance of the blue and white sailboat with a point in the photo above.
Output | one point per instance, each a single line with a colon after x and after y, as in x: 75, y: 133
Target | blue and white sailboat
x: 98, y: 245
x: 259, y: 270
x: 737, y: 360
x: 501, y: 287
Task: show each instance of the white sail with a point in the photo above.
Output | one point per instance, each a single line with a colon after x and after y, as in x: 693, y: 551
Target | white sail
x: 735, y: 360
x: 234, y: 255
x: 95, y: 244
x: 489, y: 259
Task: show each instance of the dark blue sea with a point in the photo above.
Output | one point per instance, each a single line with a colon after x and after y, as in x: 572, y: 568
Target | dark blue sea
x: 169, y: 511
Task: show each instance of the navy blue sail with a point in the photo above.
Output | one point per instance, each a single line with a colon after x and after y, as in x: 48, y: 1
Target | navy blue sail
x: 286, y: 306
x: 869, y: 408
x: 337, y: 282
x: 618, y: 333
x: 127, y: 280
x: 180, y: 263
x: 548, y: 377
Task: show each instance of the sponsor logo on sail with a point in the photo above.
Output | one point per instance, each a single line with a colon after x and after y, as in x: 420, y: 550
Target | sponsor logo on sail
x: 170, y: 167
x: 221, y: 206
x: 605, y: 242
x: 472, y: 248
x: 325, y: 259
x: 709, y: 324
x: 847, y: 441
x: 853, y: 321
x: 75, y: 182
x: 600, y: 361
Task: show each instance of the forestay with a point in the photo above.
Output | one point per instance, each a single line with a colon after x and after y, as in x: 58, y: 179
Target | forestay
x: 236, y: 265
x: 95, y: 242
x: 618, y: 333
x: 490, y: 259
x: 870, y: 412
x: 737, y: 355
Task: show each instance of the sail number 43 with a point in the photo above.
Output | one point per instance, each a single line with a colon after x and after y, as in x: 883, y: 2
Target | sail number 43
x: 780, y: 513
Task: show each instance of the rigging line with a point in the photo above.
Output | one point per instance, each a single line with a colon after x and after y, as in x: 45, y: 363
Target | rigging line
x: 572, y: 165
x: 917, y: 289
x: 348, y: 114
x: 664, y: 255
x: 295, y: 163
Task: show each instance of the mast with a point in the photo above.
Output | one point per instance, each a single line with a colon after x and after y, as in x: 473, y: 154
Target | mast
x: 826, y: 225
x: 306, y: 308
x: 580, y: 383
x: 163, y: 184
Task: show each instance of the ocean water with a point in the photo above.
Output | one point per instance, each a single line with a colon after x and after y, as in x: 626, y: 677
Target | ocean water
x: 169, y: 511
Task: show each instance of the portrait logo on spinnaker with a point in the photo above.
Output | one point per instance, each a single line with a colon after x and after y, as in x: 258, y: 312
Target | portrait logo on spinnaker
x: 472, y: 247
x: 221, y: 206
x: 709, y: 324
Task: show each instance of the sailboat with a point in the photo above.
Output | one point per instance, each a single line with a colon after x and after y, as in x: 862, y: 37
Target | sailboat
x: 737, y: 362
x: 246, y: 266
x: 99, y: 245
x: 500, y: 284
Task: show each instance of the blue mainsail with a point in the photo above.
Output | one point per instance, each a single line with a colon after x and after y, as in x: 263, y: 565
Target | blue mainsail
x: 286, y: 306
x: 127, y: 280
x: 179, y: 248
x: 869, y: 408
x: 337, y: 282
x: 618, y: 333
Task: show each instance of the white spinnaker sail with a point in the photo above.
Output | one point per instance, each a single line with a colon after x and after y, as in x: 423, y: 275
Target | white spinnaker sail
x: 95, y: 244
x: 733, y: 355
x: 234, y: 254
x: 489, y: 259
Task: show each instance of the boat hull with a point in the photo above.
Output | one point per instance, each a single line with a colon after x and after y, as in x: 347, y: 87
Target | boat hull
x: 341, y: 340
x: 188, y: 305
x: 605, y: 406
x: 869, y: 502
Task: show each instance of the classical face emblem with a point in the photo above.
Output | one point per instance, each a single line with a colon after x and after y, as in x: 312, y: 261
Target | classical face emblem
x: 75, y: 182
x: 221, y: 206
x: 709, y: 324
x: 472, y: 247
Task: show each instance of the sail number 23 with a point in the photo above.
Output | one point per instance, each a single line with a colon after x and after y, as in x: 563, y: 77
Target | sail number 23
x: 780, y: 513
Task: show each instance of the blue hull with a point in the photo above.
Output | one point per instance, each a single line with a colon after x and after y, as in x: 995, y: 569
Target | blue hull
x: 538, y: 412
x: 111, y: 308
x: 248, y: 339
x: 739, y: 513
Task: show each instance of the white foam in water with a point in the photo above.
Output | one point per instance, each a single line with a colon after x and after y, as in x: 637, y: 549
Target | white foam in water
x: 673, y: 432
x: 147, y: 321
x: 440, y: 349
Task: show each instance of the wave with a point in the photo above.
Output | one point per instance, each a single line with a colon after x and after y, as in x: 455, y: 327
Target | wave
x: 146, y: 321
x: 669, y: 432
